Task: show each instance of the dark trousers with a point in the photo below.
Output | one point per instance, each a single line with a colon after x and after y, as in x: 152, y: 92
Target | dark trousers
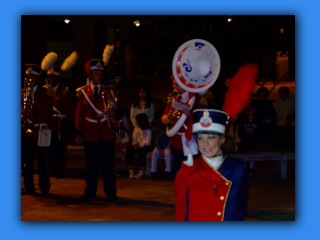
x: 179, y: 157
x: 100, y: 153
x: 56, y: 155
x: 29, y: 150
x: 142, y: 155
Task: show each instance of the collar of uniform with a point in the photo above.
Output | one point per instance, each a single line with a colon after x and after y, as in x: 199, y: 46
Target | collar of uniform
x: 92, y: 86
x: 55, y: 88
x: 215, y: 162
x: 184, y: 97
x: 35, y: 88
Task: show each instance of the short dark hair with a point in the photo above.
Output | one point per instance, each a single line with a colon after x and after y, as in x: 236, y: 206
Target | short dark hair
x: 284, y: 88
x: 263, y: 89
x: 148, y: 97
x: 143, y: 121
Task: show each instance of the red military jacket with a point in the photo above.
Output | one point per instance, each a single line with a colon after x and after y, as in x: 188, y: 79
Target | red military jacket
x: 41, y: 109
x: 85, y: 114
x: 63, y: 106
x: 200, y: 103
x: 194, y: 191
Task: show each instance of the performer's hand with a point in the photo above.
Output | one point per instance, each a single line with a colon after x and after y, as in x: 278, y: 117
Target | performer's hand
x: 186, y: 112
x: 165, y: 120
x: 79, y: 140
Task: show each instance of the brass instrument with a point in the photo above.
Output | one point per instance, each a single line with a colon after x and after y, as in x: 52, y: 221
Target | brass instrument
x: 26, y: 109
x: 195, y: 68
x: 110, y: 102
x: 172, y: 113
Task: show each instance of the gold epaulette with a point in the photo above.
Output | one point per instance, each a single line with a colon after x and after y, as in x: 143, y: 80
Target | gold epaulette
x: 47, y: 86
x: 78, y: 91
x: 204, y: 101
x: 49, y: 90
x: 65, y: 90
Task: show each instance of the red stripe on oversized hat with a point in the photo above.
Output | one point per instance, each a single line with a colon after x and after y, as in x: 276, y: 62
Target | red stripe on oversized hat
x: 196, y: 65
x: 32, y: 69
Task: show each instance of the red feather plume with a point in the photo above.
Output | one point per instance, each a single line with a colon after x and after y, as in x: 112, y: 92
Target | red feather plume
x: 87, y: 66
x: 240, y: 87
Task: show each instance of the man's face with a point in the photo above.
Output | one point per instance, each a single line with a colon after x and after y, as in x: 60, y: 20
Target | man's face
x: 96, y: 76
x: 179, y: 89
x: 34, y: 79
x: 53, y: 80
x: 263, y: 95
x: 283, y: 94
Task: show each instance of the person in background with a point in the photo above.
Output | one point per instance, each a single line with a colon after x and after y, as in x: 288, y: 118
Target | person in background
x: 285, y: 109
x: 62, y: 120
x: 141, y: 144
x: 93, y: 124
x: 33, y: 117
x: 143, y: 104
x: 249, y: 130
x: 162, y: 149
x: 176, y: 147
x: 267, y: 116
x: 122, y: 141
x: 214, y: 186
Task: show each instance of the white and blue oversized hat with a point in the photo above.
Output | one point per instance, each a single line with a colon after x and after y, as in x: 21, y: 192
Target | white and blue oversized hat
x: 209, y: 120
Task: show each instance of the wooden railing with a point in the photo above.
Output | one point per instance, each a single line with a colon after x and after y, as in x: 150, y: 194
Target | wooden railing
x: 282, y: 157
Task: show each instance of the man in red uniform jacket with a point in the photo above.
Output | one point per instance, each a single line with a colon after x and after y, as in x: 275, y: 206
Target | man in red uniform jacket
x: 40, y: 114
x: 93, y: 131
x: 176, y: 141
x: 62, y: 118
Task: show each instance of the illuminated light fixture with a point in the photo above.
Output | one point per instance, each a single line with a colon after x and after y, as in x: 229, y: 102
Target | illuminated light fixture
x: 281, y: 30
x: 229, y: 19
x: 66, y: 20
x: 137, y: 23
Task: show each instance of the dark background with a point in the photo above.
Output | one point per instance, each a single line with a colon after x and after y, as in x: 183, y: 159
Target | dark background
x: 148, y: 50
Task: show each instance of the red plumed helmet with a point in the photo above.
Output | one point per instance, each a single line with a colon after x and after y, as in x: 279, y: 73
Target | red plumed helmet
x: 240, y: 88
x: 87, y: 67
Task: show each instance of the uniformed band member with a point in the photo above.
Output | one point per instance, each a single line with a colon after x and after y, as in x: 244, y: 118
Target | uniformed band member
x: 176, y: 141
x: 62, y: 118
x: 212, y: 187
x: 91, y: 121
x: 39, y: 113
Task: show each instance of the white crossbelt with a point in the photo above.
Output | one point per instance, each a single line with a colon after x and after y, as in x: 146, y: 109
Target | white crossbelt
x: 41, y: 125
x: 59, y: 113
x: 95, y: 109
x: 96, y: 121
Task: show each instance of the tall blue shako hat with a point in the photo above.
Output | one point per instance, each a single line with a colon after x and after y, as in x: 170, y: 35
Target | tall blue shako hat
x: 209, y: 121
x: 206, y: 121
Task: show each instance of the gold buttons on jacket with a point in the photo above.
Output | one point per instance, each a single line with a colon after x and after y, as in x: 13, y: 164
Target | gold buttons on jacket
x: 227, y: 183
x: 219, y: 213
x: 222, y: 198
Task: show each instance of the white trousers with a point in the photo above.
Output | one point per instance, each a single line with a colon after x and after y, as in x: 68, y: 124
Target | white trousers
x: 155, y: 156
